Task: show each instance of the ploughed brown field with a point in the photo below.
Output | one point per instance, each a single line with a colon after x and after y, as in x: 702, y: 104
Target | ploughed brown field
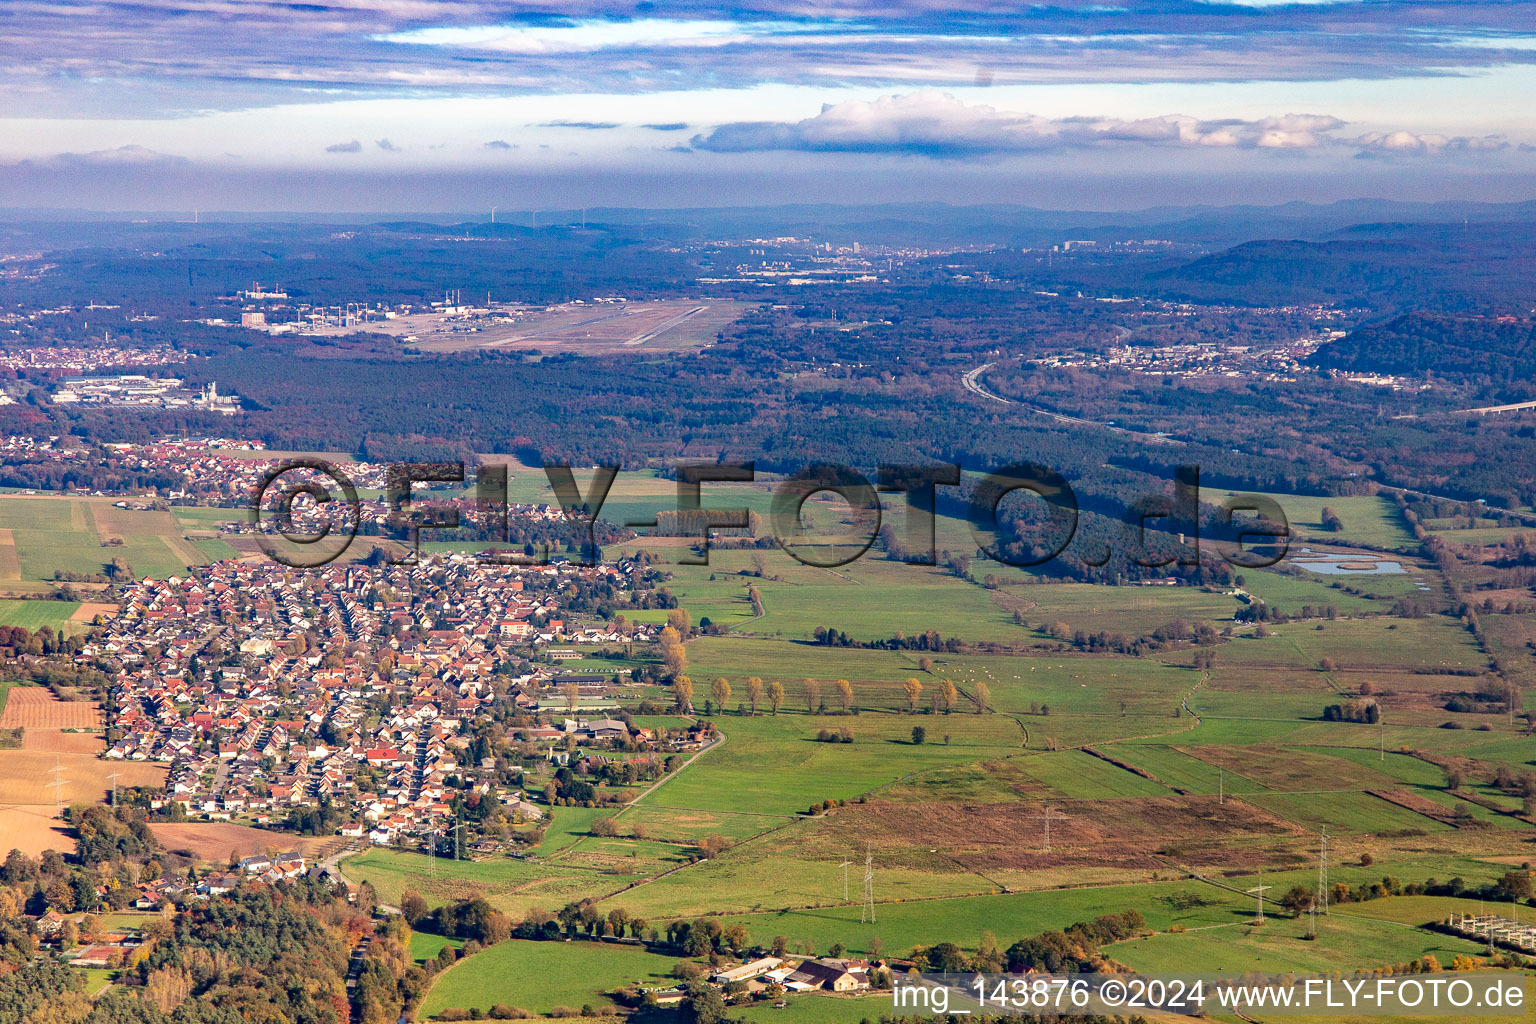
x: 26, y: 775
x: 32, y: 830
x: 1147, y: 833
x: 35, y: 707
x: 214, y: 841
x: 88, y: 610
x: 57, y: 741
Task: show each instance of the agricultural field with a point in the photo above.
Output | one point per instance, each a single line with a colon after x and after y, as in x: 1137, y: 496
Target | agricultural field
x: 1291, y: 591
x: 36, y: 707
x: 425, y: 946
x: 541, y: 976
x: 510, y: 885
x: 53, y: 534
x: 901, y: 924
x: 215, y: 841
x: 1066, y: 684
x: 818, y: 1009
x: 33, y: 828
x: 1345, y: 944
x: 56, y: 763
x: 1373, y: 521
x: 25, y: 776
x: 805, y: 770
x: 33, y: 615
x: 1076, y: 775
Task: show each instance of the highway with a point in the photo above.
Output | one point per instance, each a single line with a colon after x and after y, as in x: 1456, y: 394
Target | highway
x: 972, y: 383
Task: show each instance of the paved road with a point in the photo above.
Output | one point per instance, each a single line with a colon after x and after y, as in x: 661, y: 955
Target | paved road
x: 972, y: 383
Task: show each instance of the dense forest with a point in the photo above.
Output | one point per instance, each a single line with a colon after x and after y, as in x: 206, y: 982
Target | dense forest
x: 1501, y: 349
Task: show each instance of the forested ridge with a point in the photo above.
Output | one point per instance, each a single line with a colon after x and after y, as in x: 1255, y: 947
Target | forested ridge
x: 1501, y: 349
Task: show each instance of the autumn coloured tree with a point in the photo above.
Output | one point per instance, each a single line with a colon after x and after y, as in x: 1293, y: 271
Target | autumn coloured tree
x: 754, y: 691
x: 674, y: 658
x: 682, y: 693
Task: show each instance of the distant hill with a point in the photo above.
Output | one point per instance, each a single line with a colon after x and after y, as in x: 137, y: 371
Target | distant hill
x: 1446, y: 345
x: 1388, y: 267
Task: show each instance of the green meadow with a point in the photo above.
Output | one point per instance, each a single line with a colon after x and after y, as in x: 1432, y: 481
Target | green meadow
x: 1372, y: 520
x: 774, y: 764
x: 1345, y: 944
x: 542, y: 976
x: 33, y: 615
x: 901, y: 924
x: 55, y: 534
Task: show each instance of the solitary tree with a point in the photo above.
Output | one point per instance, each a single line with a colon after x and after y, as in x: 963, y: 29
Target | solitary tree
x: 775, y: 695
x: 919, y: 734
x: 982, y: 696
x: 812, y: 695
x: 721, y: 688
x: 682, y: 693
x: 914, y: 694
x: 845, y: 694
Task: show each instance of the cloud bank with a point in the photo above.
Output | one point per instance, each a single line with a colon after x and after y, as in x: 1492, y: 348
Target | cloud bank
x: 937, y: 124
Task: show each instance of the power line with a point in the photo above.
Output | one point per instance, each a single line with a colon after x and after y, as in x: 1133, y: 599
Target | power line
x: 868, y: 910
x: 58, y: 784
x: 844, y: 866
x: 1322, y: 875
x: 1258, y: 891
x: 1046, y: 816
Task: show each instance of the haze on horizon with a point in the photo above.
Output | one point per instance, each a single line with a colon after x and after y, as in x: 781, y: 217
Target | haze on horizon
x: 410, y: 105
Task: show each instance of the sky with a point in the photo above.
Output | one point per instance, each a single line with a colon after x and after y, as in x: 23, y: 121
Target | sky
x: 460, y: 105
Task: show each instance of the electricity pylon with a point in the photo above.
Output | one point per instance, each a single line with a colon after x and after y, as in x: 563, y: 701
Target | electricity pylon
x: 868, y: 910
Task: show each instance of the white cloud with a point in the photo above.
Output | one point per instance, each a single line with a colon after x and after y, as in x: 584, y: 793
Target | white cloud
x: 936, y: 123
x: 1413, y: 143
